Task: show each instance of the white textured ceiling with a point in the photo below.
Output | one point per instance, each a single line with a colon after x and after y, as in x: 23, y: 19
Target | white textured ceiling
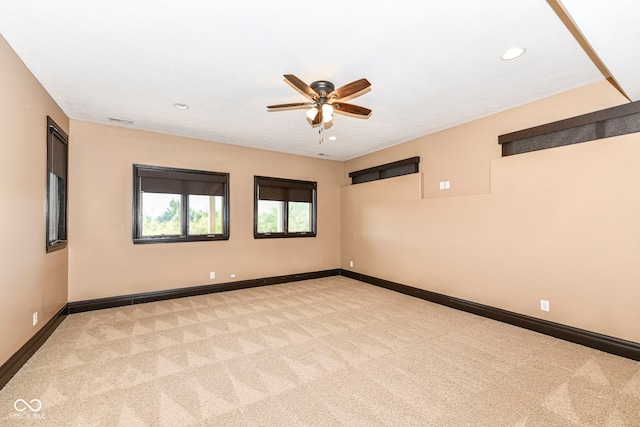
x: 432, y: 65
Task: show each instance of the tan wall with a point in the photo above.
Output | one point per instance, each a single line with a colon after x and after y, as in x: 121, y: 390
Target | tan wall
x: 31, y: 280
x: 559, y: 224
x: 102, y: 257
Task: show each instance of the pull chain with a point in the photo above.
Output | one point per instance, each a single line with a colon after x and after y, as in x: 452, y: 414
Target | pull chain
x: 321, y: 133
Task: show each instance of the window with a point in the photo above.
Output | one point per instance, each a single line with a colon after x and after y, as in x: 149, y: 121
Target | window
x: 389, y: 170
x: 179, y: 205
x: 57, y: 156
x: 284, y: 208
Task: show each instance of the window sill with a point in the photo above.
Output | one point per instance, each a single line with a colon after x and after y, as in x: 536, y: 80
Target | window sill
x: 52, y: 247
x: 176, y: 239
x: 282, y: 235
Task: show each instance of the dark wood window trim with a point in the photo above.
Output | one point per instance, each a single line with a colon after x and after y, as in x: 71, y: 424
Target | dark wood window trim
x: 178, y: 181
x: 288, y: 185
x: 57, y: 168
x: 388, y: 170
x: 597, y: 119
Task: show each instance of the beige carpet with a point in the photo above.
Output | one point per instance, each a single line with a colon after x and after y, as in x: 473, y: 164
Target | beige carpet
x: 323, y: 352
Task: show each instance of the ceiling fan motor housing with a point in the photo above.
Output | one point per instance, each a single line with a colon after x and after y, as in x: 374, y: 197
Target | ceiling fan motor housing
x: 322, y: 88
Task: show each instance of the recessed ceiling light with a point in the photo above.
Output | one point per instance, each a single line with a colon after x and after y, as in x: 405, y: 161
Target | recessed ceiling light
x: 332, y: 138
x: 323, y: 155
x: 181, y: 106
x: 123, y: 121
x: 512, y: 53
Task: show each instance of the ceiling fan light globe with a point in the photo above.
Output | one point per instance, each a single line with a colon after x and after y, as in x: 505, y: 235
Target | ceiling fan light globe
x: 327, y: 113
x: 312, y: 113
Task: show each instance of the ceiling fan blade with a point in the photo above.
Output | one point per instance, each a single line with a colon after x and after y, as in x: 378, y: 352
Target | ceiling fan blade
x: 296, y: 104
x: 349, y: 89
x: 301, y: 86
x: 352, y: 109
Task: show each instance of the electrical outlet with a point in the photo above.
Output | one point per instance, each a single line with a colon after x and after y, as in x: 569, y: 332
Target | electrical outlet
x: 233, y: 276
x: 544, y: 305
x: 212, y: 275
x: 35, y: 318
x: 350, y: 263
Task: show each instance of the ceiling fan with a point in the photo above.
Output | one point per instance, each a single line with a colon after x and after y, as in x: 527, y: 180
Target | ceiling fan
x: 325, y: 99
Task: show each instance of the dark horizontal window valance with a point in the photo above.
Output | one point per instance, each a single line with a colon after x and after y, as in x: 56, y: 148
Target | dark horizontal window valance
x: 388, y: 170
x: 285, y: 190
x: 175, y: 181
x: 614, y: 121
x: 185, y: 176
x: 285, y: 183
x: 162, y: 185
x: 285, y: 194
